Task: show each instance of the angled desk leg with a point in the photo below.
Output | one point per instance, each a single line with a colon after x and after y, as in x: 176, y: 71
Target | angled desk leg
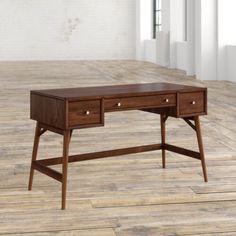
x: 200, y: 145
x: 197, y: 128
x: 37, y: 135
x: 65, y: 157
x: 197, y: 155
x: 163, y: 139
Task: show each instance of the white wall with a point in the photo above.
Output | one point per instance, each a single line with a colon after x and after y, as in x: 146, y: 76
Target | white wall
x: 230, y: 63
x: 198, y: 55
x: 163, y: 48
x: 144, y: 23
x: 177, y: 28
x: 67, y: 29
x: 181, y: 61
x: 226, y: 36
x: 190, y: 50
x: 210, y: 50
x: 206, y: 39
x: 150, y: 50
x: 173, y: 14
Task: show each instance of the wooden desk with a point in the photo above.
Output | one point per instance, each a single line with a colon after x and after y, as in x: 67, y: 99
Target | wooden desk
x: 63, y: 110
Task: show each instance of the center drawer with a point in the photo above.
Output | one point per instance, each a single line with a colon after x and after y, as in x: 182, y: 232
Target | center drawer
x: 162, y: 100
x: 85, y: 113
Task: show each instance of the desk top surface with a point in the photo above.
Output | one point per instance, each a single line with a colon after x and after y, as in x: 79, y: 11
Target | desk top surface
x: 116, y: 91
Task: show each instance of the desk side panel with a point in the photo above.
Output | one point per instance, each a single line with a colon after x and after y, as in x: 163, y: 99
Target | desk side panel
x: 47, y: 110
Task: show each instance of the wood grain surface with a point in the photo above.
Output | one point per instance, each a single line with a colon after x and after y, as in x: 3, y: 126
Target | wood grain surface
x: 128, y: 195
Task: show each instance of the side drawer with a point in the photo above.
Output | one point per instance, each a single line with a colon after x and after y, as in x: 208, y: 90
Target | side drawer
x: 192, y: 103
x: 85, y: 113
x: 162, y: 100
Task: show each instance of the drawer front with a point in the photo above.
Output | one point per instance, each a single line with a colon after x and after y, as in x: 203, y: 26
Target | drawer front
x: 82, y: 113
x: 116, y: 104
x: 191, y: 103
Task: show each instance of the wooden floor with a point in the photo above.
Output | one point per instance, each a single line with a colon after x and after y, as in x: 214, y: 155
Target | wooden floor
x: 127, y: 195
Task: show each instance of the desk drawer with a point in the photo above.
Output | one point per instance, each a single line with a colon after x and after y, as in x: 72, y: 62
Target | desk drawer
x: 83, y: 113
x: 192, y: 103
x: 116, y: 104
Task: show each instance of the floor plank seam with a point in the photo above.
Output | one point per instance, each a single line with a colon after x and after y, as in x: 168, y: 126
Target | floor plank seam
x: 174, y: 203
x: 213, y: 192
x: 57, y: 231
x: 212, y: 234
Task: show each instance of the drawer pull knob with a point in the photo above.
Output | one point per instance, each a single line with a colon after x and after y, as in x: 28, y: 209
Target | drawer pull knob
x: 166, y: 100
x: 119, y: 104
x: 193, y: 102
x: 87, y: 113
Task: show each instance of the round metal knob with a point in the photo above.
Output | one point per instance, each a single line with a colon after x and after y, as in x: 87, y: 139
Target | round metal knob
x: 166, y: 100
x: 193, y: 102
x: 87, y: 113
x: 119, y: 104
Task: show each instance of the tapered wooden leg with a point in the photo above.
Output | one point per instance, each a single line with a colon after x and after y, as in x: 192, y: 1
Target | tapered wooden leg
x: 34, y: 154
x: 200, y: 145
x: 66, y: 141
x: 163, y: 140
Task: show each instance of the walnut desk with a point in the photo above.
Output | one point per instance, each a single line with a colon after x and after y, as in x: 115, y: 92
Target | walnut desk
x: 63, y: 110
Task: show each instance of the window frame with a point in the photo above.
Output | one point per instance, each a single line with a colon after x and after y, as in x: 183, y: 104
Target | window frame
x: 156, y: 15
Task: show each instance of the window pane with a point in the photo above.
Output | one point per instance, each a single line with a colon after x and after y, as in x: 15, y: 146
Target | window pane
x: 159, y: 4
x: 157, y: 17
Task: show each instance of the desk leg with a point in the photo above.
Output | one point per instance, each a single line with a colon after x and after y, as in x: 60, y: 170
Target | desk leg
x: 34, y: 154
x: 200, y: 145
x: 163, y: 139
x: 66, y: 141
